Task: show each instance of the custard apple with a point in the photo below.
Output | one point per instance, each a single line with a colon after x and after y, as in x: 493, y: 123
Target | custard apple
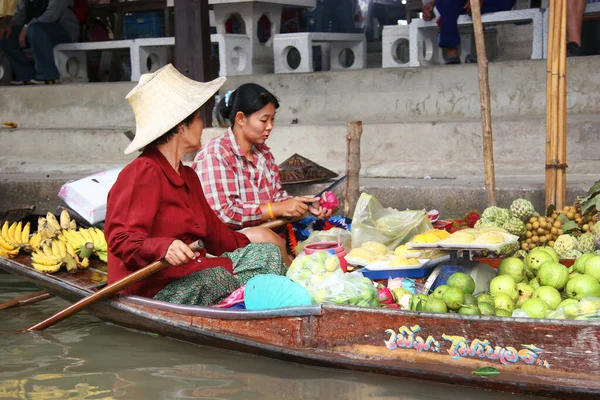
x: 482, y: 223
x: 596, y: 229
x: 522, y: 209
x: 563, y: 244
x: 515, y: 226
x: 495, y: 214
x: 585, y: 243
x: 509, y: 249
x: 572, y: 254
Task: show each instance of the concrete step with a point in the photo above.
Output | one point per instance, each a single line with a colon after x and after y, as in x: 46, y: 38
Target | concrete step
x: 452, y: 197
x: 444, y: 93
x: 444, y: 149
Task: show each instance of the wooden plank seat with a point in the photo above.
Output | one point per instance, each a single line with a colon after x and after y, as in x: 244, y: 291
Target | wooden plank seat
x: 422, y: 38
x: 338, y: 51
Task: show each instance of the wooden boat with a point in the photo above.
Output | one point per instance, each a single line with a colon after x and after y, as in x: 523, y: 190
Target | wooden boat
x: 556, y: 358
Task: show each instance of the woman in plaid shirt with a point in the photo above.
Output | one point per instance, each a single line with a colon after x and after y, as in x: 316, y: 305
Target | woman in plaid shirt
x: 238, y: 172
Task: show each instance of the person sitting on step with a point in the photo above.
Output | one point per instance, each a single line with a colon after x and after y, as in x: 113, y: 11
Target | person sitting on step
x: 40, y: 24
x: 449, y: 11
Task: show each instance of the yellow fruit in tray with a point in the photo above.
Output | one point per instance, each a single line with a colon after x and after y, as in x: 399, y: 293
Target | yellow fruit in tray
x: 460, y: 237
x: 375, y: 247
x: 420, y: 238
x: 431, y: 237
x: 407, y: 251
x: 362, y: 254
x: 398, y: 261
x: 490, y: 238
x: 441, y: 233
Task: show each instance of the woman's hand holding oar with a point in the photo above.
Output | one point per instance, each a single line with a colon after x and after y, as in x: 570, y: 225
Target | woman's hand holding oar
x: 109, y: 290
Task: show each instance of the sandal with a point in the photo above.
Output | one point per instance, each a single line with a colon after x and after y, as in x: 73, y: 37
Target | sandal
x: 453, y: 60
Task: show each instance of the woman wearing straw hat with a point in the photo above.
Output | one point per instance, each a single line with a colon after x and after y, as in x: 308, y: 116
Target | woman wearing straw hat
x: 156, y: 205
x: 238, y: 171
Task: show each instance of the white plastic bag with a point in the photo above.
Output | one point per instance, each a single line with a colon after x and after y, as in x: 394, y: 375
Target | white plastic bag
x: 87, y: 196
x: 373, y: 223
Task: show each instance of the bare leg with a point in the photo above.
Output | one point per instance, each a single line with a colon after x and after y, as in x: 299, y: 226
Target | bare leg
x: 575, y: 12
x: 265, y: 235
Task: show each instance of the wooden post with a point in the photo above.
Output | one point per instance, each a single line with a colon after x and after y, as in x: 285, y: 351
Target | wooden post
x: 556, y: 112
x: 486, y: 115
x: 193, y: 46
x: 351, y: 190
x: 561, y: 181
x: 550, y: 177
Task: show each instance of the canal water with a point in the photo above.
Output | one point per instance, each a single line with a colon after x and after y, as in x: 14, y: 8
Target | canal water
x: 83, y: 358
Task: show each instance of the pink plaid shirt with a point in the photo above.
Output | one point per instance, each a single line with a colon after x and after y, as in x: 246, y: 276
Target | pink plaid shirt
x: 234, y: 186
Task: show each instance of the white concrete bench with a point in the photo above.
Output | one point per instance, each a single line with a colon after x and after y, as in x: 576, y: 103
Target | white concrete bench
x: 423, y: 38
x: 235, y: 53
x: 590, y: 9
x: 148, y: 55
x: 71, y: 61
x: 334, y: 48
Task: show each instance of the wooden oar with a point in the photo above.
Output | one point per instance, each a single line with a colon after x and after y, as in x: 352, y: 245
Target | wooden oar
x: 115, y: 288
x: 31, y: 298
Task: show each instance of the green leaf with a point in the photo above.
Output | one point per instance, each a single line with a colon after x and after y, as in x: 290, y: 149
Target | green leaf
x: 551, y: 208
x: 563, y: 218
x: 587, y: 206
x: 569, y: 226
x: 595, y: 188
x: 486, y: 371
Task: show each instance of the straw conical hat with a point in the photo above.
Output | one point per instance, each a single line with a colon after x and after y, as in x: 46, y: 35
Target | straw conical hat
x: 163, y: 99
x: 298, y: 169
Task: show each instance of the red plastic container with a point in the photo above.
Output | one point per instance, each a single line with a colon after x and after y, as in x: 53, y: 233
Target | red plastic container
x: 330, y: 247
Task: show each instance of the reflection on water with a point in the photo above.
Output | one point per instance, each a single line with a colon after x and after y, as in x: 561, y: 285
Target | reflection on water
x: 83, y: 358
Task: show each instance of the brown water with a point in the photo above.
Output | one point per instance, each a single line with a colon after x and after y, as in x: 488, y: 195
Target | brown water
x: 83, y: 358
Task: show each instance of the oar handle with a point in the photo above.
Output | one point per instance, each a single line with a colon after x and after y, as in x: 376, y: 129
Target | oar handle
x: 109, y: 290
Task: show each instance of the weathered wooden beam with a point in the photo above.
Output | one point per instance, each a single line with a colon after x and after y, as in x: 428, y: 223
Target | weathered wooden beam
x: 193, y: 52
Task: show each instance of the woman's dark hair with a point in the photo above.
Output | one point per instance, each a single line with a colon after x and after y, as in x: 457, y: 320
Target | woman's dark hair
x: 174, y: 130
x: 248, y: 99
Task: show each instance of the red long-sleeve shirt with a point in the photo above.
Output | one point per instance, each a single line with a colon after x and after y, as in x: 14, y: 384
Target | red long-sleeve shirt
x: 150, y: 206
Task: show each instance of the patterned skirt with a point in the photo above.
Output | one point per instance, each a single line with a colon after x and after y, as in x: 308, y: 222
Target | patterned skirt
x: 212, y: 285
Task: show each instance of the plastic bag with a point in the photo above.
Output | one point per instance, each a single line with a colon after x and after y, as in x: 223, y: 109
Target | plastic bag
x: 330, y: 235
x: 372, y: 222
x: 321, y: 275
x: 588, y: 308
x: 308, y: 270
x: 350, y: 289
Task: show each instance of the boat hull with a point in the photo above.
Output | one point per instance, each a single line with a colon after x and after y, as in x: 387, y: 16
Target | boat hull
x: 556, y: 358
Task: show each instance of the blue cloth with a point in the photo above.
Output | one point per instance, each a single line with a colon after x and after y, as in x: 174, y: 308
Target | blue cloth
x: 41, y: 37
x: 450, y: 11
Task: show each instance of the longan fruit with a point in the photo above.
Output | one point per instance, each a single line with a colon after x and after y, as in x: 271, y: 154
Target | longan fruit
x: 532, y: 246
x: 533, y: 219
x: 535, y: 239
x: 554, y: 230
x: 528, y: 241
x: 540, y: 231
x: 557, y: 223
x: 543, y: 239
x: 543, y: 224
x: 529, y: 226
x: 560, y: 232
x: 571, y: 215
x: 585, y: 227
x: 528, y: 234
x: 536, y: 225
x: 525, y: 246
x: 551, y: 243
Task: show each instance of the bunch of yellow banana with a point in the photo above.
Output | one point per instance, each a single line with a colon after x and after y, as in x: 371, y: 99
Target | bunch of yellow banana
x: 7, y: 250
x: 48, y: 226
x: 16, y: 235
x: 54, y: 254
x: 66, y: 222
x: 47, y: 258
x: 85, y: 241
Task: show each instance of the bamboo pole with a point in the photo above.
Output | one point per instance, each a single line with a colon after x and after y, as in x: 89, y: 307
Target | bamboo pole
x: 549, y: 171
x: 555, y: 66
x: 561, y: 181
x: 351, y: 190
x: 486, y: 116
